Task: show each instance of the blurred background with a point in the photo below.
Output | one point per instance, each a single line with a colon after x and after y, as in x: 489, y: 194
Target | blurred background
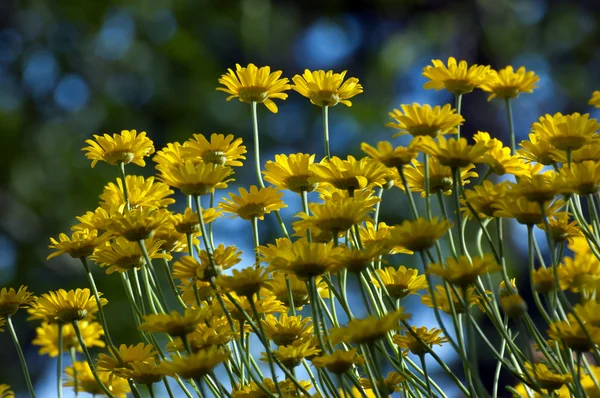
x: 70, y: 69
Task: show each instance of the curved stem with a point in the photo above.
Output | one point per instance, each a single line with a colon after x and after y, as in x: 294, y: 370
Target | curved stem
x: 15, y: 339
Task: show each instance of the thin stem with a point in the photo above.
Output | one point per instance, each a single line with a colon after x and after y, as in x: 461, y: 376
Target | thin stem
x: 257, y: 164
x: 150, y: 390
x: 15, y: 339
x: 326, y: 130
x: 425, y: 375
x: 458, y: 105
x: 411, y: 200
x: 511, y: 127
x: 125, y: 190
x: 59, y: 367
x: 256, y: 241
x: 73, y: 353
x: 427, y: 186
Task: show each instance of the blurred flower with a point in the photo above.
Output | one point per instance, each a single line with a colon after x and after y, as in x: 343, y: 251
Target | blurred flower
x: 326, y: 88
x: 525, y: 211
x: 6, y: 392
x: 127, y: 147
x: 11, y: 300
x: 482, y: 198
x: 127, y: 355
x: 174, y: 324
x: 595, y: 100
x: 419, y: 234
x: 368, y: 330
x: 547, y: 378
x: 338, y: 362
x: 196, y: 364
x: 456, y: 78
x: 571, y: 333
x: 293, y: 354
x: 464, y: 271
x: 349, y: 174
x: 47, y: 337
x: 246, y: 282
x: 81, y: 374
x: 81, y: 244
x: 122, y: 255
x: 287, y: 329
x: 453, y: 152
x: 440, y: 177
x: 425, y: 338
x: 389, y: 156
x: 137, y: 224
x: 507, y: 84
x: 423, y: 120
x: 442, y: 300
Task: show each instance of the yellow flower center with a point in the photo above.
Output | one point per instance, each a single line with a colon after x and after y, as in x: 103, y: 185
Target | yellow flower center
x: 458, y: 86
x: 119, y: 156
x: 424, y: 129
x: 215, y: 157
x: 252, y: 210
x: 506, y: 92
x: 324, y: 98
x: 253, y: 94
x: 130, y: 262
x: 300, y: 183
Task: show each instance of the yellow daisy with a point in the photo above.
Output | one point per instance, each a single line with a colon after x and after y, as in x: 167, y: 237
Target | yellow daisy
x: 579, y: 273
x: 443, y: 301
x: 65, y: 306
x: 588, y: 312
x: 350, y: 174
x: 6, y: 392
x: 253, y: 390
x: 566, y: 132
x: 196, y: 179
x: 81, y: 243
x: 456, y: 78
x: 291, y: 172
x: 499, y: 158
x: 204, y: 337
x: 326, y: 88
x: 2, y: 323
x: 140, y: 353
x: 464, y: 271
x: 587, y: 152
x: 137, y: 224
x: 482, y: 198
x: 174, y: 324
x: 264, y: 306
x: 419, y: 234
x: 535, y: 187
x: 425, y: 339
x: 195, y: 365
x: 127, y: 147
x: 293, y: 354
x: 222, y: 150
x: 508, y: 83
x: 95, y: 220
x: 562, y: 228
x: 357, y: 261
x: 390, y: 156
x: 525, y: 211
x: 338, y: 362
x: 371, y: 234
x: 423, y: 120
x: 187, y: 222
x: 122, y: 255
x: 573, y: 336
x: 81, y: 374
x: 386, y: 386
x: 287, y: 329
x: 547, y: 378
x: 47, y: 337
x: 142, y: 192
x: 580, y: 178
x: 277, y: 286
x: 173, y: 155
x: 145, y: 373
x: 543, y: 280
x: 252, y: 84
x: 452, y: 152
x: 595, y: 100
x: 400, y: 282
x: 246, y: 282
x: 537, y: 150
x: 440, y: 177
x: 11, y: 300
x: 368, y: 330
x: 513, y: 305
x: 253, y: 204
x: 171, y: 239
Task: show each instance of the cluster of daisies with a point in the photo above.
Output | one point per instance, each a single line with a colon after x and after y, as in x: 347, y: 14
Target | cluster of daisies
x: 200, y: 312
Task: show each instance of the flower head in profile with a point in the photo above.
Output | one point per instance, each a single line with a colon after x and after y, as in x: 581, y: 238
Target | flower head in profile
x: 419, y: 234
x: 141, y: 192
x: 452, y: 152
x: 47, y: 337
x: 595, y: 100
x: 65, y: 306
x: 123, y: 255
x: 253, y: 390
x: 543, y: 280
x: 175, y: 323
x: 513, y: 305
x: 508, y: 83
x: 264, y: 306
x: 535, y: 187
x: 400, y: 282
x: 579, y: 273
x: 371, y: 234
x: 566, y: 132
x: 580, y: 178
x: 387, y: 386
x: 287, y: 329
x: 421, y: 341
x: 571, y: 333
x: 338, y: 362
x: 221, y: 150
x: 293, y: 354
x: 525, y: 211
x: 349, y: 174
x: 499, y: 158
x: 482, y: 199
x: 126, y: 147
x: 440, y: 177
x: 193, y: 178
x: 11, y: 300
x: 277, y: 287
x: 537, y: 150
x: 253, y: 84
x: 195, y: 365
x: 423, y: 120
x: 547, y: 378
x: 80, y: 375
x: 254, y: 203
x: 94, y: 220
x: 562, y: 228
x: 137, y: 224
x: 442, y: 300
x: 246, y: 282
x: 217, y: 334
x: 82, y: 243
x: 326, y: 88
x: 292, y: 172
x: 173, y: 155
x: 390, y: 156
x: 127, y: 355
x: 464, y: 271
x: 368, y: 330
x: 457, y: 78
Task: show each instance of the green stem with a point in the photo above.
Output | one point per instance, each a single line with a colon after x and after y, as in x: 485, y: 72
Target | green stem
x: 511, y: 127
x: 150, y: 390
x: 73, y: 353
x: 15, y: 339
x: 256, y: 241
x: 59, y: 367
x: 457, y: 181
x: 125, y: 190
x: 425, y: 375
x: 257, y: 164
x: 426, y: 177
x: 326, y: 130
x: 458, y: 104
x: 411, y: 200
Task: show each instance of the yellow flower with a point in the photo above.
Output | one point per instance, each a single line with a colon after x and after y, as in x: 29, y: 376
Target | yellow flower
x: 580, y: 178
x: 338, y: 362
x: 122, y: 255
x: 357, y: 261
x: 525, y: 211
x: 562, y: 228
x: 456, y: 78
x: 174, y: 324
x: 287, y: 329
x: 356, y: 393
x: 196, y: 179
x: 513, y: 305
x: 81, y: 243
x: 287, y: 388
x: 423, y: 120
x: 253, y: 204
x: 267, y: 305
x: 277, y: 286
x: 425, y: 339
x: 221, y: 150
x: 537, y: 150
x: 387, y: 386
x: 370, y: 235
x: 195, y: 365
x: 11, y: 300
x: 589, y: 312
x: 2, y: 323
x: 204, y: 337
x: 137, y: 224
x: 94, y: 220
x: 140, y: 353
x: 224, y: 257
x: 47, y: 337
x: 566, y: 132
x: 547, y: 378
x: 507, y: 84
x: 595, y: 100
x: 172, y: 240
x: 293, y: 354
x: 452, y: 152
x: 400, y: 282
x: 482, y: 198
x: 464, y: 271
x: 336, y: 214
x: 368, y: 330
x: 6, y: 392
x: 573, y: 336
x: 187, y: 222
x: 540, y: 188
x: 543, y: 280
x: 65, y: 307
x: 252, y: 84
x: 440, y: 177
x: 173, y: 155
x: 301, y: 258
x: 389, y: 156
x: 419, y: 234
x: 499, y: 158
x: 143, y: 373
x: 326, y: 88
x: 142, y: 192
x: 291, y: 172
x: 579, y: 273
x: 443, y: 302
x: 127, y: 147
x: 350, y: 174
x: 246, y: 282
x: 81, y: 374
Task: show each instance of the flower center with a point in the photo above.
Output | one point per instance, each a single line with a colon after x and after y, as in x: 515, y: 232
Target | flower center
x: 253, y: 94
x: 459, y: 86
x: 215, y: 157
x: 119, y: 156
x: 252, y: 210
x: 324, y: 98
